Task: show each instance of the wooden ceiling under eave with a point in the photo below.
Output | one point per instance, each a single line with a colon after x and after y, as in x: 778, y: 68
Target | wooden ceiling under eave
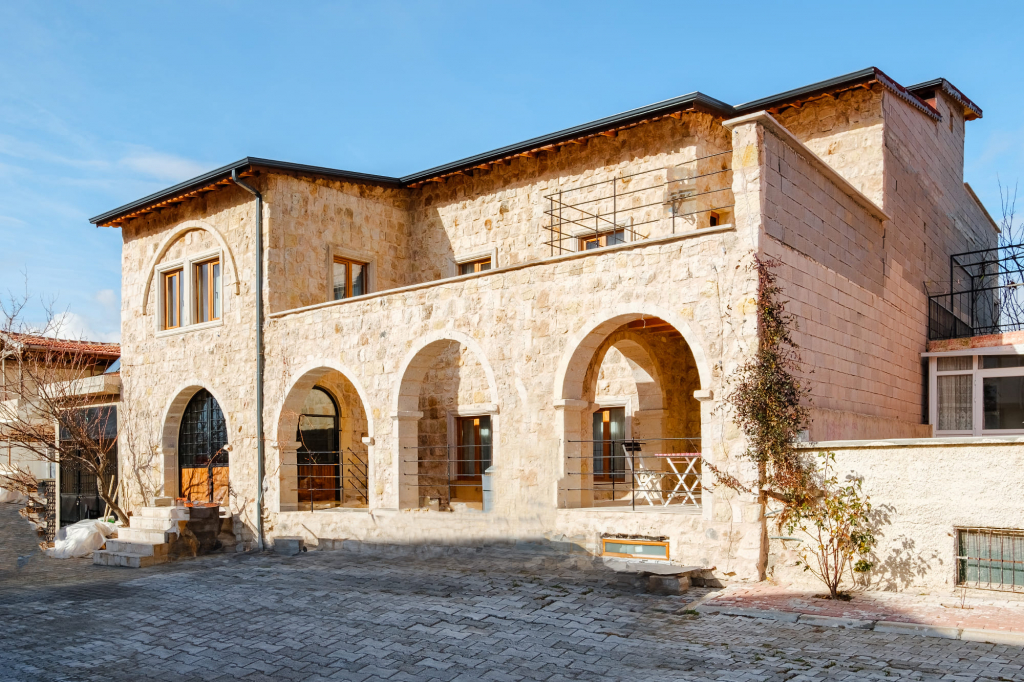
x: 175, y: 200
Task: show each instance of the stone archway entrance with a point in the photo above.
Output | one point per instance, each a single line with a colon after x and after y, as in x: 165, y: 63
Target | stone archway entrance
x: 203, y: 451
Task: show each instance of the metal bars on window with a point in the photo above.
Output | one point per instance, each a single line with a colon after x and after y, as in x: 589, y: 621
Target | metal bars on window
x: 990, y: 559
x: 331, y: 479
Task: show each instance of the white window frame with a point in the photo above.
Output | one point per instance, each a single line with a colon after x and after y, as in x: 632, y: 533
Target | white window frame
x: 977, y: 384
x: 368, y: 260
x: 188, y: 287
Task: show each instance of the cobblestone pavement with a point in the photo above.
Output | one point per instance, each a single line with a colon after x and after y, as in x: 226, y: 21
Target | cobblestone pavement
x: 469, y: 616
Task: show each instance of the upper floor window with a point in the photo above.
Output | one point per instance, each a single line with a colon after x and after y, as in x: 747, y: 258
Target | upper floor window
x: 172, y: 299
x: 978, y: 394
x: 207, y: 290
x: 348, y: 278
x: 480, y: 265
x: 596, y: 241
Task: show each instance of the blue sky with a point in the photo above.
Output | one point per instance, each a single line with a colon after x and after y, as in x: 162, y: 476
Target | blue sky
x: 102, y: 103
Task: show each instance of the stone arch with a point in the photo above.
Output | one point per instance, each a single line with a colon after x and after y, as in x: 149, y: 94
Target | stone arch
x: 413, y: 465
x: 418, y: 361
x: 358, y: 480
x: 581, y: 347
x: 166, y: 244
x: 306, y: 378
x: 171, y: 426
x: 666, y: 413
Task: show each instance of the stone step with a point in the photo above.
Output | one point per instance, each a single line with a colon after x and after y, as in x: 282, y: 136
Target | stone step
x: 120, y: 546
x: 148, y: 523
x: 153, y: 537
x: 176, y: 513
x: 105, y: 557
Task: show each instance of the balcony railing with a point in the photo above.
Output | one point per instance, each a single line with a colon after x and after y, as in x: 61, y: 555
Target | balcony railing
x: 642, y: 473
x: 680, y: 198
x: 986, y: 295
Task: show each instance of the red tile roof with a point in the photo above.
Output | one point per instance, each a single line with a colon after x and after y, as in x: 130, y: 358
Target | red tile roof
x: 96, y: 349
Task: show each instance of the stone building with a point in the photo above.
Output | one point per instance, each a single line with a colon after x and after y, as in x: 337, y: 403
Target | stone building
x: 531, y: 345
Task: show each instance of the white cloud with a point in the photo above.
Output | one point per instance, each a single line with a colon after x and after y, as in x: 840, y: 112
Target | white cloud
x: 108, y: 298
x: 160, y: 166
x: 69, y: 325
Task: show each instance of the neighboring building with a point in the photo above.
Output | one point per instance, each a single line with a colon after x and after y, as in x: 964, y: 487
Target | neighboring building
x: 93, y: 368
x: 531, y: 311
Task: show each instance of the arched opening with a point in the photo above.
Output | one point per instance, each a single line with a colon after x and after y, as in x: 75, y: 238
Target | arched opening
x: 631, y: 420
x: 202, y: 451
x: 447, y: 424
x: 326, y: 466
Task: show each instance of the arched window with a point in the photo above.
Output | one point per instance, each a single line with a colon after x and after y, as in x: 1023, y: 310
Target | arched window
x: 319, y: 455
x: 202, y: 459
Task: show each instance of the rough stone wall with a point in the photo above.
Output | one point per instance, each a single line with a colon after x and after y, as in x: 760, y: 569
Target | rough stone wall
x: 307, y: 217
x: 503, y: 208
x: 909, y: 485
x: 161, y: 371
x: 847, y: 132
x: 521, y: 324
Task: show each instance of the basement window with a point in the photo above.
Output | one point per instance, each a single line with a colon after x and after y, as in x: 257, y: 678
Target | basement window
x: 635, y: 548
x: 990, y: 559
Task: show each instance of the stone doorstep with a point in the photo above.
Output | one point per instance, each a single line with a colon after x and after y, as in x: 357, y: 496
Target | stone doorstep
x: 104, y: 557
x: 154, y: 537
x: 1004, y: 637
x: 150, y: 523
x: 139, y: 548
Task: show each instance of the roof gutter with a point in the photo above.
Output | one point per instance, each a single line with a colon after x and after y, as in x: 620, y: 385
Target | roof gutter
x: 259, y: 353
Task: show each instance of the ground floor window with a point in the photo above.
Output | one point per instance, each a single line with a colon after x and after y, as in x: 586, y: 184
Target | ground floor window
x: 609, y: 437
x: 596, y: 241
x: 474, y: 447
x: 319, y: 455
x: 991, y: 559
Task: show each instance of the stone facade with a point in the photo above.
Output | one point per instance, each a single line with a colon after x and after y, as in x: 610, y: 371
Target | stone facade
x: 552, y: 332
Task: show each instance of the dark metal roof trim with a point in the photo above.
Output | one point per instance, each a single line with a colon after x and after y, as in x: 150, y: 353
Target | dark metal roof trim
x: 949, y: 89
x: 862, y: 76
x: 224, y: 172
x: 692, y: 100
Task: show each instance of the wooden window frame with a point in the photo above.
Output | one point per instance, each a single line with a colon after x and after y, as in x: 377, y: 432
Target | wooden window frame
x: 166, y: 276
x: 349, y: 262
x: 477, y: 451
x: 600, y: 238
x: 714, y: 219
x: 211, y: 295
x: 476, y: 264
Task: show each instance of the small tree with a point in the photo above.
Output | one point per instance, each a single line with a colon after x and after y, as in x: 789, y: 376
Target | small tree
x: 45, y: 412
x: 838, y: 528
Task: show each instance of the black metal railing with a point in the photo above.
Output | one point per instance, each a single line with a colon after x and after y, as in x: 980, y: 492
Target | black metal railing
x: 985, y: 295
x: 625, y: 208
x: 448, y: 473
x: 347, y: 470
x: 646, y: 473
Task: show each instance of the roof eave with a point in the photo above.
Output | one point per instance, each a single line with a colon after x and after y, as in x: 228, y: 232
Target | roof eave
x: 971, y: 110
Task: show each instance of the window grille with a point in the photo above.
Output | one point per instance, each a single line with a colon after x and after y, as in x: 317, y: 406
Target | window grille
x: 990, y: 559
